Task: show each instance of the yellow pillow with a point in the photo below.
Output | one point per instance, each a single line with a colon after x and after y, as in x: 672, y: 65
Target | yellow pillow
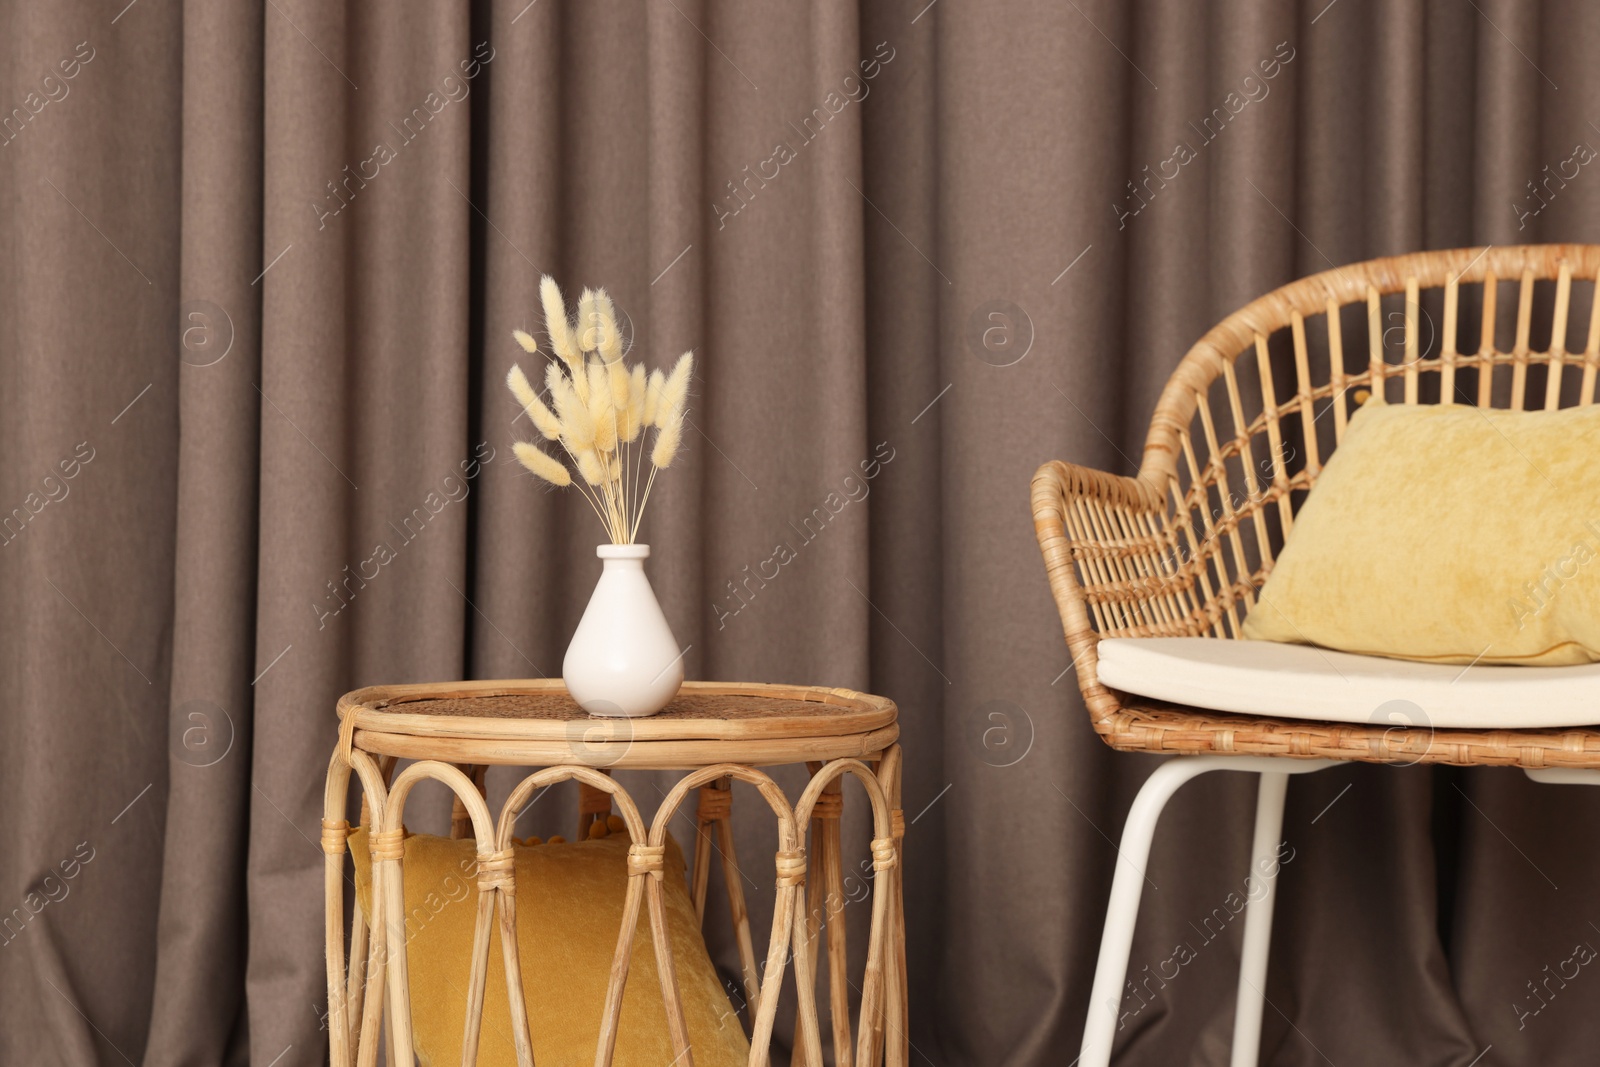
x: 569, y: 912
x: 1447, y: 533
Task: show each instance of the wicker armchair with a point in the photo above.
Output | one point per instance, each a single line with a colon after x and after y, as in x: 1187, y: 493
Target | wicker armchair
x: 1237, y: 439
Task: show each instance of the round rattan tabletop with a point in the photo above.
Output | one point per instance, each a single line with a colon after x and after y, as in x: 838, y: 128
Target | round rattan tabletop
x: 535, y: 722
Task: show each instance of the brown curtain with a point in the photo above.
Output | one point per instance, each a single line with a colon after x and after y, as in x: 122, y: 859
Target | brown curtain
x: 261, y: 264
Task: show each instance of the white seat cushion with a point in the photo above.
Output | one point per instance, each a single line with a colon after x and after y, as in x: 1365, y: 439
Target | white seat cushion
x: 1305, y: 682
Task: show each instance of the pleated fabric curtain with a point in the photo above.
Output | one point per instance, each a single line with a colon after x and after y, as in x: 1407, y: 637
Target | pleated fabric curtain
x: 261, y: 265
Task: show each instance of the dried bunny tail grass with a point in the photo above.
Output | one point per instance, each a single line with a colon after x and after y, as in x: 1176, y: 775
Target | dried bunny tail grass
x: 633, y: 420
x: 525, y: 339
x: 609, y: 340
x: 590, y: 467
x: 556, y: 324
x: 556, y: 381
x: 577, y: 427
x: 669, y: 411
x: 542, y: 464
x: 588, y: 322
x: 600, y: 407
x: 544, y: 420
x: 605, y: 433
x: 668, y: 437
x: 675, y: 392
x: 519, y: 385
x: 652, y: 397
x: 599, y: 386
x: 620, y: 385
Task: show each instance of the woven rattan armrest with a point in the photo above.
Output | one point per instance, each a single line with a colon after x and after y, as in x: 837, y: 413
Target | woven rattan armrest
x: 1105, y: 511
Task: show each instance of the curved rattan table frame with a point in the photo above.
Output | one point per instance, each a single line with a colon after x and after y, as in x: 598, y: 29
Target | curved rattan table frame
x: 835, y: 732
x: 1169, y: 551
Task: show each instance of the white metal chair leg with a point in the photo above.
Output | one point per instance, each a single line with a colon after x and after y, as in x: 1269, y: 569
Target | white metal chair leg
x: 1116, y: 941
x: 1263, y: 893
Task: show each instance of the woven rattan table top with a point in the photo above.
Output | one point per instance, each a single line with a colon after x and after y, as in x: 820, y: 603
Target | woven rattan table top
x: 407, y: 719
x: 559, y: 706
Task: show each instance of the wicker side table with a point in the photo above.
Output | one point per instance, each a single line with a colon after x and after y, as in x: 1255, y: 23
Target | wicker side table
x: 717, y: 732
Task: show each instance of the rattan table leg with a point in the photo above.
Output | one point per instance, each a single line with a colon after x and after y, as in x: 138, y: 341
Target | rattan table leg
x: 897, y: 1037
x: 477, y: 980
x: 356, y: 986
x: 374, y: 788
x: 733, y: 882
x: 334, y: 831
x: 352, y: 1018
x: 388, y: 860
x: 511, y: 959
x: 821, y: 800
x: 593, y: 805
x: 389, y: 875
x: 460, y: 821
x: 813, y: 924
x: 830, y: 873
x: 360, y: 949
x: 712, y: 800
x: 378, y: 996
x: 790, y: 872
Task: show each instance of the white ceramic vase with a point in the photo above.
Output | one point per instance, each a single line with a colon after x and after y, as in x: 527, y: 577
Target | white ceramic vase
x: 623, y: 659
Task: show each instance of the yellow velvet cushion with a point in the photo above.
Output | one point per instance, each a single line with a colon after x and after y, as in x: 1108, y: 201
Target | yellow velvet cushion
x: 1448, y: 533
x: 569, y: 912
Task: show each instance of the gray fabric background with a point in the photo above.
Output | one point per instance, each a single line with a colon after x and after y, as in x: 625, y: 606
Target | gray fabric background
x: 168, y: 669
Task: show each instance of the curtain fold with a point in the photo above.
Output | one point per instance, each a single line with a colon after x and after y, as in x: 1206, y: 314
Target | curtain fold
x: 196, y: 996
x: 261, y: 265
